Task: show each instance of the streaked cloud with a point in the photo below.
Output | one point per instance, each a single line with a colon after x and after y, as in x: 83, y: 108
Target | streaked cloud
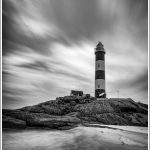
x: 48, y: 48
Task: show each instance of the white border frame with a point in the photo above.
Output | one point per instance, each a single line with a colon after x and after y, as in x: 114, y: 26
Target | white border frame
x: 148, y: 78
x: 1, y: 75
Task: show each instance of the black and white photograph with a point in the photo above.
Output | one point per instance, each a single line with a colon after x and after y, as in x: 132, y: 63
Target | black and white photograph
x: 74, y: 74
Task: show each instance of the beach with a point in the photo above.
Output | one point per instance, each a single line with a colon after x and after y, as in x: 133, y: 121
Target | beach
x: 79, y: 138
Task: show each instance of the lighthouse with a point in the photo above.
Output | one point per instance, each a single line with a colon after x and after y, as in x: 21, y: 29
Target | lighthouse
x: 100, y: 71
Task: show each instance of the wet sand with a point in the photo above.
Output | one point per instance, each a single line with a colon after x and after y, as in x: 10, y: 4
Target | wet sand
x: 80, y: 138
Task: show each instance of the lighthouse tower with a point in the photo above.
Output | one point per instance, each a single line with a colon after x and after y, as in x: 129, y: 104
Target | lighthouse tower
x: 100, y: 71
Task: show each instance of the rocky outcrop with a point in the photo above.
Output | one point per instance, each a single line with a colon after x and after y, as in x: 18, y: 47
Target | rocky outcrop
x: 9, y: 122
x: 67, y: 112
x: 38, y: 119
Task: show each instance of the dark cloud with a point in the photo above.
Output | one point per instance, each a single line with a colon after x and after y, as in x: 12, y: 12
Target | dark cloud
x: 12, y: 97
x: 75, y: 20
x: 80, y: 20
x: 80, y: 77
x: 141, y: 82
x: 10, y: 102
x: 13, y: 36
x: 37, y: 65
x: 6, y: 74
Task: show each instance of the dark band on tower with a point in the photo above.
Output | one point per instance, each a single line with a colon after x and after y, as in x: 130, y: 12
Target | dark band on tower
x: 100, y: 71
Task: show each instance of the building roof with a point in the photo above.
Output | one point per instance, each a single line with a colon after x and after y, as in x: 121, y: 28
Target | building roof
x: 99, y: 45
x: 76, y: 92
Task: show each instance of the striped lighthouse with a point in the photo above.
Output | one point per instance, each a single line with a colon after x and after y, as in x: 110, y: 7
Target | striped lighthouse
x: 100, y: 71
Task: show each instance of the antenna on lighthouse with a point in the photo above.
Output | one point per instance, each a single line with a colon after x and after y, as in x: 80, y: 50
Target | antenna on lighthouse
x: 118, y: 93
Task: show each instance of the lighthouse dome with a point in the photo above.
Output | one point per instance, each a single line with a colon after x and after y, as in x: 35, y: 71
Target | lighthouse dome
x: 99, y: 47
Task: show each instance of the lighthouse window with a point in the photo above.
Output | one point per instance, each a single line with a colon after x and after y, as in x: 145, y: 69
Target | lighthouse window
x: 98, y: 86
x: 98, y: 65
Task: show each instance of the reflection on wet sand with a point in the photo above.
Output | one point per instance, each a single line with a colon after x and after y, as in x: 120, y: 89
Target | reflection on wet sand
x: 80, y: 138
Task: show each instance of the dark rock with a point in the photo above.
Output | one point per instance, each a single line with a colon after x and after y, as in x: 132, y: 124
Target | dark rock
x: 143, y: 105
x: 39, y: 119
x: 9, y: 122
x: 68, y: 112
x: 73, y: 103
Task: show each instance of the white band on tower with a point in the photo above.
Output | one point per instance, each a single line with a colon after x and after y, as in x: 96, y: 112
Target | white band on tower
x: 100, y: 65
x: 100, y: 84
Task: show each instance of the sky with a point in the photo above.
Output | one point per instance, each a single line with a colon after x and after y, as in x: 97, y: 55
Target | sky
x: 48, y: 49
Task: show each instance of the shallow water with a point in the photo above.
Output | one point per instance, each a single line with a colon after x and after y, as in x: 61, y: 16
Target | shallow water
x: 80, y: 138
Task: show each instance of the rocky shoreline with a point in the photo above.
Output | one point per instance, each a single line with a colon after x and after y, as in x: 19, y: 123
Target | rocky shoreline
x: 70, y: 111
